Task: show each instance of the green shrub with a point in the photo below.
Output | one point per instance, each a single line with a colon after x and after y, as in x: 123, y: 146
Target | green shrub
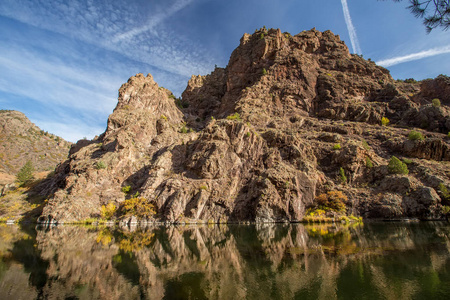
x: 25, y: 174
x: 446, y: 210
x: 436, y: 102
x: 337, y: 146
x: 415, y: 136
x: 108, y: 211
x: 365, y: 145
x: 126, y: 189
x: 234, y: 116
x: 264, y: 71
x: 184, y: 129
x: 369, y: 163
x: 395, y: 166
x: 342, y: 176
x: 443, y: 189
x: 407, y: 161
x: 384, y: 121
x: 100, y: 165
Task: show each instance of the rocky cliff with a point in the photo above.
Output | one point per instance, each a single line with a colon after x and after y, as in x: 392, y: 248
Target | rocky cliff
x: 289, y: 118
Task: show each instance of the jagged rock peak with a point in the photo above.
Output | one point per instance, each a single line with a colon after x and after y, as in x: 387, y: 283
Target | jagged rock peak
x: 310, y: 41
x: 142, y: 95
x: 312, y: 70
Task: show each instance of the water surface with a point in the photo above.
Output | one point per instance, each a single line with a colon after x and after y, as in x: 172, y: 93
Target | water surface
x: 371, y: 261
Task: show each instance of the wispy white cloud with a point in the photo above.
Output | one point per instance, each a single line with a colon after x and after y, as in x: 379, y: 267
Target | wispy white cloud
x: 57, y: 84
x: 351, y: 29
x: 117, y: 26
x: 68, y: 67
x: 153, y: 21
x: 58, y: 105
x: 31, y: 76
x: 414, y: 56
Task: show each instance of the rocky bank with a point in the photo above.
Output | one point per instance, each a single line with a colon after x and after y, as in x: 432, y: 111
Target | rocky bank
x: 288, y: 119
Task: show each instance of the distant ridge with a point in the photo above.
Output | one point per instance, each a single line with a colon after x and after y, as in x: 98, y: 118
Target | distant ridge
x: 22, y: 141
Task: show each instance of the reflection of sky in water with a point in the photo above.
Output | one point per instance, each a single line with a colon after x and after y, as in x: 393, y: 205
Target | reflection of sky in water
x: 371, y: 261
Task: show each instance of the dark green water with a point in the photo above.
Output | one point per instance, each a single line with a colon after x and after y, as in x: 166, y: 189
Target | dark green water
x: 371, y: 261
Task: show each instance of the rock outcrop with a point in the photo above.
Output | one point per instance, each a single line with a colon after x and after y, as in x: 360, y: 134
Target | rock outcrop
x: 289, y: 118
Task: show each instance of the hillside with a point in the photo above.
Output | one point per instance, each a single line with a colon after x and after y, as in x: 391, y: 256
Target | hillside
x: 22, y: 141
x: 294, y: 126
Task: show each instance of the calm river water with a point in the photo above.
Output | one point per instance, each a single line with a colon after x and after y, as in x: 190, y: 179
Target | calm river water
x: 370, y: 261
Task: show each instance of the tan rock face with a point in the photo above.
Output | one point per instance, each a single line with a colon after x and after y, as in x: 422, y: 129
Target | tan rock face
x: 258, y: 140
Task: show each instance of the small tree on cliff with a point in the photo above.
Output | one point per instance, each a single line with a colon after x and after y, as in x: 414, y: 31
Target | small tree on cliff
x: 395, y: 166
x: 25, y: 174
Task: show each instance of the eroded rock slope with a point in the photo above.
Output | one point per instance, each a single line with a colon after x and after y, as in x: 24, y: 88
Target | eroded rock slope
x: 260, y: 139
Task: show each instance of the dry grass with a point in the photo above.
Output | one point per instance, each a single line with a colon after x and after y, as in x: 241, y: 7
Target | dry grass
x: 21, y: 203
x: 6, y: 178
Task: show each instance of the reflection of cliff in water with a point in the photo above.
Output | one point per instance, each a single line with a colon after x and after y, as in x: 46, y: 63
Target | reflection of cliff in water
x: 253, y: 262
x: 23, y: 272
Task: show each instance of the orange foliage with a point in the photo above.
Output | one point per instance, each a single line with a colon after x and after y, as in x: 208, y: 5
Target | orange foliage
x: 334, y: 200
x: 137, y: 206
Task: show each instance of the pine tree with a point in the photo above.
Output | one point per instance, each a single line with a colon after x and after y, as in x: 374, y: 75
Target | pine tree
x: 435, y: 13
x: 25, y: 174
x: 395, y: 166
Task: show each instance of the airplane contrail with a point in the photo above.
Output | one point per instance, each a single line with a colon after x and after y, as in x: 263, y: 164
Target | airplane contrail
x: 351, y: 29
x: 414, y: 56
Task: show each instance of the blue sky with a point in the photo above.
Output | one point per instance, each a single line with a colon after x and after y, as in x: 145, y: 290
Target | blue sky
x: 62, y: 62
